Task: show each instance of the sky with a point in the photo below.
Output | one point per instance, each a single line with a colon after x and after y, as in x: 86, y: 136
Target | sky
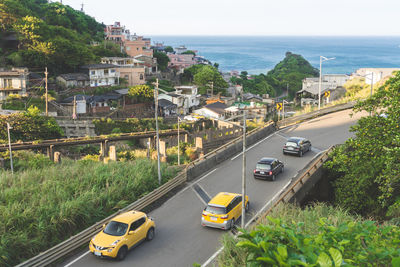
x: 249, y: 17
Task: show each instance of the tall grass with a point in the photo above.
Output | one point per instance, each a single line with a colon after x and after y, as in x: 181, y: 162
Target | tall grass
x: 42, y: 207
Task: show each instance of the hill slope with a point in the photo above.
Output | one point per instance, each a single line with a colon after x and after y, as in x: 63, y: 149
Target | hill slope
x: 35, y: 34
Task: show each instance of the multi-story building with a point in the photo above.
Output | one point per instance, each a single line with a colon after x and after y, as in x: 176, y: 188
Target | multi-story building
x: 181, y: 62
x: 116, y: 33
x: 376, y: 74
x: 13, y: 81
x: 329, y: 82
x: 150, y: 63
x: 191, y: 97
x: 137, y: 45
x: 102, y: 74
x: 131, y: 69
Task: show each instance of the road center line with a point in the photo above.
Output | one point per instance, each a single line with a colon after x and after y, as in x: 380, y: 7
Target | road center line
x: 253, y: 146
x: 197, y: 193
x: 80, y: 257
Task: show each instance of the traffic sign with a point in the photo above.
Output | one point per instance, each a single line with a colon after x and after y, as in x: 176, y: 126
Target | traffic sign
x: 279, y: 106
x: 327, y: 94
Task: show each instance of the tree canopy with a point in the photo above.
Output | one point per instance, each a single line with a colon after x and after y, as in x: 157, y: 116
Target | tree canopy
x: 50, y: 34
x: 162, y: 60
x: 288, y: 73
x: 367, y: 168
x: 203, y: 75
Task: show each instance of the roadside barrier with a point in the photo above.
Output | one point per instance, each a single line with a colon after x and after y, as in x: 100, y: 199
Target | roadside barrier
x: 291, y: 191
x: 57, y: 252
x: 192, y: 171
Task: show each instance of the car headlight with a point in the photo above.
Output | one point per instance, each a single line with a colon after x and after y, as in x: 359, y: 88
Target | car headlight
x: 114, y: 243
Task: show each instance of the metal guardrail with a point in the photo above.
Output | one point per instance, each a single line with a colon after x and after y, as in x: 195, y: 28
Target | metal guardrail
x: 57, y: 252
x: 296, y: 119
x: 87, y: 140
x: 295, y: 187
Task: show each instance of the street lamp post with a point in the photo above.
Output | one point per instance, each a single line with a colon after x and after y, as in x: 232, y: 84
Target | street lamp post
x: 9, y: 147
x: 244, y: 171
x: 179, y: 156
x: 321, y: 59
x: 157, y: 134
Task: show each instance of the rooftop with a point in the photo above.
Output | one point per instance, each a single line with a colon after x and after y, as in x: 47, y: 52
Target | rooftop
x: 98, y: 66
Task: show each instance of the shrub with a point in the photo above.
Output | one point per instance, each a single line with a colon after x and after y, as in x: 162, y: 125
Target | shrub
x: 316, y: 236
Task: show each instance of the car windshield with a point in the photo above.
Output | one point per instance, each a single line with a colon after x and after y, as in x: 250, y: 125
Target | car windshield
x: 215, y: 209
x: 291, y: 144
x: 116, y: 228
x: 263, y: 166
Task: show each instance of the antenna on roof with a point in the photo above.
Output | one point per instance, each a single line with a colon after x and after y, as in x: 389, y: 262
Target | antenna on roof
x: 82, y: 7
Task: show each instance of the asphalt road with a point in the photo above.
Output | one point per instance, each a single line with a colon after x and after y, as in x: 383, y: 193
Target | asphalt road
x: 180, y: 239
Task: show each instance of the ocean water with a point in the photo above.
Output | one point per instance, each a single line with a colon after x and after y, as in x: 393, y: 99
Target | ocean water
x: 260, y: 54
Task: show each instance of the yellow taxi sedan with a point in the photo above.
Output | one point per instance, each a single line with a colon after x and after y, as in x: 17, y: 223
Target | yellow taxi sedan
x: 223, y: 210
x: 121, y: 234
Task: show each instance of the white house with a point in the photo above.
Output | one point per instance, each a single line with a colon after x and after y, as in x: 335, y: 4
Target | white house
x: 102, y: 74
x: 215, y: 110
x: 192, y: 98
x: 13, y: 81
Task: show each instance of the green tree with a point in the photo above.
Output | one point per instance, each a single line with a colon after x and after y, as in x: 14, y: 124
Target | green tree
x: 189, y: 52
x: 162, y: 60
x: 366, y: 169
x: 208, y: 74
x: 168, y: 49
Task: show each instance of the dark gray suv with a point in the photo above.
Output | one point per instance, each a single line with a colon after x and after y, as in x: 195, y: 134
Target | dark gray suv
x: 297, y: 145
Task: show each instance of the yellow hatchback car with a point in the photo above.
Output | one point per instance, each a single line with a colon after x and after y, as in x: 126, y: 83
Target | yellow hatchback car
x: 223, y: 210
x: 121, y: 234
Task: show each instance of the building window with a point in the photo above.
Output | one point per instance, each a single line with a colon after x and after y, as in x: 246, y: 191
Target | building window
x: 112, y: 71
x: 92, y: 72
x: 141, y: 76
x: 105, y: 71
x: 126, y: 77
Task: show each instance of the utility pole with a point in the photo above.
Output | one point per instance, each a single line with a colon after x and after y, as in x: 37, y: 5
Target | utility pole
x: 179, y: 156
x: 9, y: 147
x: 212, y: 89
x: 157, y: 134
x: 244, y: 171
x: 47, y: 97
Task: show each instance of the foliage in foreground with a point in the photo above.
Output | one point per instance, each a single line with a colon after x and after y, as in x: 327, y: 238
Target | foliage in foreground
x: 42, y: 207
x: 316, y: 236
x: 29, y: 126
x: 366, y: 169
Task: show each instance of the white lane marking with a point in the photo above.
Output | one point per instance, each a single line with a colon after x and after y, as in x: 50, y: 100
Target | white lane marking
x: 80, y: 257
x: 191, y: 184
x: 253, y: 146
x: 212, y: 257
x: 267, y: 204
x: 280, y: 135
x: 205, y: 192
x: 197, y: 194
x: 205, y: 264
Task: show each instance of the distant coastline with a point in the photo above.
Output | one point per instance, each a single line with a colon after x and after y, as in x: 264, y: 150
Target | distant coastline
x: 258, y: 54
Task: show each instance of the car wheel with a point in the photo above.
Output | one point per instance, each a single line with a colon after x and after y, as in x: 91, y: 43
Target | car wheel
x: 273, y: 178
x: 122, y: 253
x: 301, y: 153
x: 150, y: 234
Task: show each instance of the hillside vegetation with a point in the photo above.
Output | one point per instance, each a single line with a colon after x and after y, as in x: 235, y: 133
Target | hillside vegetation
x: 316, y: 236
x: 289, y: 73
x: 35, y: 34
